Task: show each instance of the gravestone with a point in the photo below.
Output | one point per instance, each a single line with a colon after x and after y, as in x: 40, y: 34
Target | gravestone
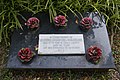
x: 72, y: 59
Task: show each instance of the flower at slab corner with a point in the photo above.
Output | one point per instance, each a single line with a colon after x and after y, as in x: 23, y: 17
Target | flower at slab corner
x: 60, y: 21
x: 94, y: 54
x: 32, y: 22
x: 86, y: 23
x: 25, y: 54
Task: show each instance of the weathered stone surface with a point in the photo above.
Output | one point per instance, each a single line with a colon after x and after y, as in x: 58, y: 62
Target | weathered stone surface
x: 27, y: 38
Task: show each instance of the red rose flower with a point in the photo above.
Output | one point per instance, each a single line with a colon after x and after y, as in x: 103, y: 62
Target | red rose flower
x: 86, y: 23
x: 32, y: 22
x: 60, y: 20
x: 94, y: 54
x: 25, y: 54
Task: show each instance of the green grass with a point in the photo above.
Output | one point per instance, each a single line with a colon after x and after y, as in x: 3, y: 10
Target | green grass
x: 10, y: 9
x: 54, y: 75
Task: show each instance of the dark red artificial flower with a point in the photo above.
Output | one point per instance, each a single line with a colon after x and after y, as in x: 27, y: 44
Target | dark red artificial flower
x: 60, y: 20
x: 25, y: 54
x: 94, y: 54
x: 86, y: 23
x: 32, y: 22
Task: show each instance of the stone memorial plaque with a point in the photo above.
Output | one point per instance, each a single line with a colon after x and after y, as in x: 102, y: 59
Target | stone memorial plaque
x: 61, y: 44
x: 68, y: 41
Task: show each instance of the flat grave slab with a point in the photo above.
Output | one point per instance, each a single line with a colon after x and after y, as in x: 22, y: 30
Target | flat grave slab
x: 28, y: 38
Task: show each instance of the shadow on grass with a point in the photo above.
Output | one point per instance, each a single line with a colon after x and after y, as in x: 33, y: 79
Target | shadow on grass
x: 54, y: 75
